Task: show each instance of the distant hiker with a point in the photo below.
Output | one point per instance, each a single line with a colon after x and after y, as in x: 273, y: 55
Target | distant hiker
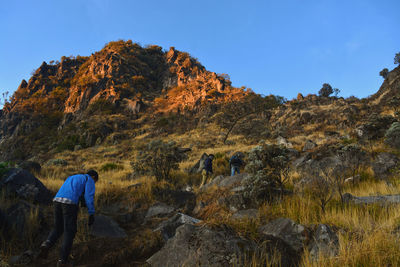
x: 207, y: 169
x: 66, y: 212
x: 235, y: 162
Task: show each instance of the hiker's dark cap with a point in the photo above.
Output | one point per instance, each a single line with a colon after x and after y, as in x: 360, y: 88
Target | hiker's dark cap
x: 93, y: 174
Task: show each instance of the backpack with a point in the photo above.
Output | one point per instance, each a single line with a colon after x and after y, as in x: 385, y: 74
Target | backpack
x: 235, y: 160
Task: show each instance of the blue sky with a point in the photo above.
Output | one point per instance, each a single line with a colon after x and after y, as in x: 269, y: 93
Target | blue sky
x: 274, y: 47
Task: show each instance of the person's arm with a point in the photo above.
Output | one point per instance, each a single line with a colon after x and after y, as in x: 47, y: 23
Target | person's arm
x: 89, y: 195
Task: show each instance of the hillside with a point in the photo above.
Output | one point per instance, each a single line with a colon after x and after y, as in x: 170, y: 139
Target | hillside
x: 318, y: 185
x: 104, y: 93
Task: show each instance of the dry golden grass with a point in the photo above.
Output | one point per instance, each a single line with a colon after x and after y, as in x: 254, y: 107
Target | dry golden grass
x: 366, y: 237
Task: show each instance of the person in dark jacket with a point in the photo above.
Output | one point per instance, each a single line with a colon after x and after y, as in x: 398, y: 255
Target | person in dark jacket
x: 66, y: 212
x: 207, y: 169
x: 235, y: 162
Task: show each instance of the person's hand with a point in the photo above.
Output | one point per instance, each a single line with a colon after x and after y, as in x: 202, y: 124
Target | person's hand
x: 91, y: 220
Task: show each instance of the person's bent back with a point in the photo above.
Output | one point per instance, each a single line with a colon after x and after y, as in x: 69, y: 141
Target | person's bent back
x: 74, y: 187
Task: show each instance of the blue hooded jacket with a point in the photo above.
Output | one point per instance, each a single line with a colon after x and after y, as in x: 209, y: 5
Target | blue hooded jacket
x: 73, y: 188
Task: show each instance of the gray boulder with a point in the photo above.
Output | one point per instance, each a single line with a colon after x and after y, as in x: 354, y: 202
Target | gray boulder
x: 105, y: 226
x: 288, y: 231
x: 159, y: 210
x: 325, y: 242
x: 383, y: 163
x: 201, y: 246
x: 23, y: 184
x: 384, y: 199
x: 168, y: 227
x: 227, y: 181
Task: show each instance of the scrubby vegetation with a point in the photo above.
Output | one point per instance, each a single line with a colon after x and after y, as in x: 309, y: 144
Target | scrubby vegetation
x: 312, y: 160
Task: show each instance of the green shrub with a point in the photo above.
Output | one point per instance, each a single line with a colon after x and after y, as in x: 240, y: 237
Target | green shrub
x: 267, y: 161
x: 392, y: 135
x: 158, y: 158
x: 69, y: 143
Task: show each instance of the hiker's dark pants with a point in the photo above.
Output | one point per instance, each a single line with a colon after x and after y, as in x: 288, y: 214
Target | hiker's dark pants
x: 65, y: 216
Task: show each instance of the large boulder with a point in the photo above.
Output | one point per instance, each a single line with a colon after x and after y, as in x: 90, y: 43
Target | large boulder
x: 23, y: 184
x: 168, y: 227
x: 105, y: 226
x: 227, y: 181
x: 201, y: 246
x: 288, y: 231
x: 383, y: 163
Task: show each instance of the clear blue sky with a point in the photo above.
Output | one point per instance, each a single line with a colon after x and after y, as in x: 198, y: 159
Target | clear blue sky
x: 281, y: 47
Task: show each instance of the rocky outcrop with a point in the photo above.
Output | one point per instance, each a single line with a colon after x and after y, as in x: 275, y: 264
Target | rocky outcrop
x: 385, y: 199
x: 23, y: 184
x: 202, y: 246
x: 168, y: 227
x: 295, y: 235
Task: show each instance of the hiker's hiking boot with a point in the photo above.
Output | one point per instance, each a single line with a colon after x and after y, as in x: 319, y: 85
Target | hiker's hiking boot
x: 60, y: 263
x: 44, y: 249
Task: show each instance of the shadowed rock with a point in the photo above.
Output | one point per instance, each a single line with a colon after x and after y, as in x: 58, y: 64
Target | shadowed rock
x: 290, y: 232
x: 200, y: 246
x: 106, y: 227
x: 168, y: 228
x: 26, y: 186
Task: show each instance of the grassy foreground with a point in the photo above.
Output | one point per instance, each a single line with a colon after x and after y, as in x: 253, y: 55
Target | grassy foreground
x: 368, y: 235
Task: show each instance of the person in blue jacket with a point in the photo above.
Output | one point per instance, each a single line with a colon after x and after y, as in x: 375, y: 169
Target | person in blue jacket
x: 66, y: 212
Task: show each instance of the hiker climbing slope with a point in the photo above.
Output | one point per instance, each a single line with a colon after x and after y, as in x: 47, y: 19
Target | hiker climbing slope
x: 207, y: 169
x: 66, y: 212
x: 235, y: 162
